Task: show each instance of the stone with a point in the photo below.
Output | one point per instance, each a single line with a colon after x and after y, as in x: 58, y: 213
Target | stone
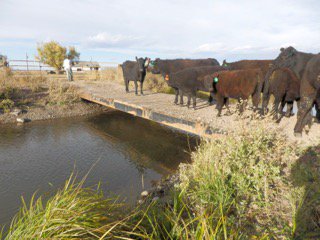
x: 23, y: 120
x: 155, y: 199
x: 144, y: 194
x: 16, y: 112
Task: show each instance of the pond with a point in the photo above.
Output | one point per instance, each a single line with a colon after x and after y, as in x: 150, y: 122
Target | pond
x: 127, y: 155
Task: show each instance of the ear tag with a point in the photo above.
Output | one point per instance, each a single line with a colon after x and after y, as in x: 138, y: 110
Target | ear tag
x: 216, y: 79
x: 167, y: 77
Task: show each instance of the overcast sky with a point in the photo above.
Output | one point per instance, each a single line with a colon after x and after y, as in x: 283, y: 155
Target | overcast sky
x: 115, y: 30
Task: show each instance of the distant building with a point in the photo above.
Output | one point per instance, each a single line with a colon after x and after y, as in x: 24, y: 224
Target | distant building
x: 86, y: 66
x: 3, y: 61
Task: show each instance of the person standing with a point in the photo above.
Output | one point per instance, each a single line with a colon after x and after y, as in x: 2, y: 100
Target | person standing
x: 67, y: 64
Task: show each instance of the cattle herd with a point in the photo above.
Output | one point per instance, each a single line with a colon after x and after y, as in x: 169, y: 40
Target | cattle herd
x: 292, y: 76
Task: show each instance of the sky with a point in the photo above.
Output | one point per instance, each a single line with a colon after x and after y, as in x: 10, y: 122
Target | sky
x: 117, y: 30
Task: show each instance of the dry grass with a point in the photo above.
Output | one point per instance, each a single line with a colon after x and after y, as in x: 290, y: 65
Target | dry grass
x: 21, y: 88
x: 62, y: 94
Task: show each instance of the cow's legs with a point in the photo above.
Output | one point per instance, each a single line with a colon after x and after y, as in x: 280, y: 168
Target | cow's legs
x: 280, y: 110
x: 255, y: 100
x: 289, y: 109
x: 220, y: 103
x: 136, y: 86
x: 181, y: 96
x: 303, y: 118
x: 210, y: 98
x: 275, y: 108
x: 126, y: 82
x: 189, y: 100
x: 141, y: 88
x: 226, y: 103
x: 177, y: 95
x: 194, y: 100
x: 265, y: 104
x: 317, y: 106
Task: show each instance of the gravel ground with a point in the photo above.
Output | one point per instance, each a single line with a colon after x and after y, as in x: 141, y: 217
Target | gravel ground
x: 163, y: 103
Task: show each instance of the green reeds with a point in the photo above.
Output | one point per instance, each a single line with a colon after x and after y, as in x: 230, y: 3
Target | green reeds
x: 74, y: 212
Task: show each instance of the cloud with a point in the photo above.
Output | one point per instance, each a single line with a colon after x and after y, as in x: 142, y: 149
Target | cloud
x: 106, y: 40
x: 164, y: 28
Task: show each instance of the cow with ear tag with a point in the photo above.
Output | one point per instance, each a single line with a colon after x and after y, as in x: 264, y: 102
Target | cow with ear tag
x: 135, y: 71
x: 238, y: 84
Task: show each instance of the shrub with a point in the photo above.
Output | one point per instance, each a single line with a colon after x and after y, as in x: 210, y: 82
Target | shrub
x: 61, y: 94
x: 6, y: 105
x: 237, y: 187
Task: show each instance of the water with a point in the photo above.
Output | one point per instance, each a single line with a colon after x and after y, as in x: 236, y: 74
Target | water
x: 128, y: 153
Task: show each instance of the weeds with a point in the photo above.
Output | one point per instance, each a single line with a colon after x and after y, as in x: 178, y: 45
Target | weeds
x: 6, y: 105
x: 74, y: 212
x: 61, y: 94
x: 237, y: 187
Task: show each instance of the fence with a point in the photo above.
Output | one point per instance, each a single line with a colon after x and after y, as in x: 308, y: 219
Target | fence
x: 37, y: 66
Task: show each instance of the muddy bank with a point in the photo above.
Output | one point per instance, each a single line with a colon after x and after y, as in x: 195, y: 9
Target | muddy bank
x: 51, y: 112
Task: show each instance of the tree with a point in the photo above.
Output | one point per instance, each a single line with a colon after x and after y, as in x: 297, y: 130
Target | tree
x: 53, y: 54
x: 73, y: 54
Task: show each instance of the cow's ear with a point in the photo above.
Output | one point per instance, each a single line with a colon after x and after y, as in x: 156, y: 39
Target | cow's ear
x: 281, y: 49
x: 136, y: 58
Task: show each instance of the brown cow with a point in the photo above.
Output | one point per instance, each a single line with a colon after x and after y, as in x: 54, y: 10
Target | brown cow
x: 263, y: 65
x: 239, y: 84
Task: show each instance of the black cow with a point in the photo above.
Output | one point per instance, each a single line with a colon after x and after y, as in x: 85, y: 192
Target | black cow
x: 189, y: 81
x: 135, y: 71
x: 298, y: 62
x: 167, y: 67
x: 285, y: 87
x: 309, y: 94
x: 289, y: 58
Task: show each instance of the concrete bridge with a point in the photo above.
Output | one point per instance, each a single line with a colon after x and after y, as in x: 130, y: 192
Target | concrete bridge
x: 159, y: 107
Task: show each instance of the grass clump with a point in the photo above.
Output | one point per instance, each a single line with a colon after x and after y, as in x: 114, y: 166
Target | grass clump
x: 74, y: 212
x: 62, y: 94
x: 6, y: 105
x: 157, y: 84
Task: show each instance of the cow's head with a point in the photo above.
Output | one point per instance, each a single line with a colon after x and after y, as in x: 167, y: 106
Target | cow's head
x: 143, y: 64
x: 287, y: 58
x: 210, y: 81
x: 224, y: 63
x: 155, y: 66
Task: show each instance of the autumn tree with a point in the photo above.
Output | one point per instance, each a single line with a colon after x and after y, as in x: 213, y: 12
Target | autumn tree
x: 53, y: 54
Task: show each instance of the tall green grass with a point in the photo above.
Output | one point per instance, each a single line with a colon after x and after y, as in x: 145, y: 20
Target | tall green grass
x: 74, y: 212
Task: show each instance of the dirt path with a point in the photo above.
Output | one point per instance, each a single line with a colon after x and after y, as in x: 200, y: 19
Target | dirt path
x: 163, y: 103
